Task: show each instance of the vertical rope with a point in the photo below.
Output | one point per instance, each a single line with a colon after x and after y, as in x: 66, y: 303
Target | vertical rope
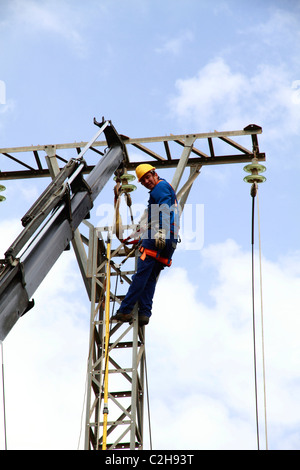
x: 148, y: 402
x: 3, y: 396
x: 253, y: 194
x: 262, y: 328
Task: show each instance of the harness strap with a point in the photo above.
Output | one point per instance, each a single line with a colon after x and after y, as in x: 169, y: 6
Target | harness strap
x: 154, y: 254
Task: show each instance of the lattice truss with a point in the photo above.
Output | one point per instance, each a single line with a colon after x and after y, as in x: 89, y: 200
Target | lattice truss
x: 201, y: 149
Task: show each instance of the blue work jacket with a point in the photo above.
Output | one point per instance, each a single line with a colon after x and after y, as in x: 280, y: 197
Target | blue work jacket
x: 163, y: 210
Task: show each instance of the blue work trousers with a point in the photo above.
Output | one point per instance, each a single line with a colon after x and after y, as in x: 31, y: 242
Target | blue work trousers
x: 143, y: 283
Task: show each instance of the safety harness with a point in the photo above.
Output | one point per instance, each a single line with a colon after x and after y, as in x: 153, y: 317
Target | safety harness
x: 154, y: 254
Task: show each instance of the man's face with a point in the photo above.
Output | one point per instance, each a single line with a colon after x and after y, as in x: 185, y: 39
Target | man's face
x: 149, y: 180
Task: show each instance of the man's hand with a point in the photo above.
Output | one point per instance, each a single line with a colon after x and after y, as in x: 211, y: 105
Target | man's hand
x: 160, y: 239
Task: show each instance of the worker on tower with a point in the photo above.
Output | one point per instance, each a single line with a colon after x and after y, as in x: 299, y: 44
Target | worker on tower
x: 158, y: 243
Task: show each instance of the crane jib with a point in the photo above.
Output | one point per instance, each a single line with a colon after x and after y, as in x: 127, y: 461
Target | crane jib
x: 19, y: 279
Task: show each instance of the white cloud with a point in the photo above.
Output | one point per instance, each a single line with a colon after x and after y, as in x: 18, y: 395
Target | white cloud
x: 281, y: 30
x: 219, y: 98
x: 45, y: 357
x: 9, y: 231
x: 2, y: 92
x: 57, y: 18
x: 45, y: 364
x: 198, y: 96
x: 176, y: 44
x: 206, y: 354
x: 199, y: 356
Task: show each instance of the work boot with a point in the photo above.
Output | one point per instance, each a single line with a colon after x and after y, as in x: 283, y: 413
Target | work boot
x: 143, y: 320
x: 122, y: 317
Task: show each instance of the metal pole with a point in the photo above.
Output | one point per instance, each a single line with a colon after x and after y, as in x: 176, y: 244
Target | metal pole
x: 3, y: 394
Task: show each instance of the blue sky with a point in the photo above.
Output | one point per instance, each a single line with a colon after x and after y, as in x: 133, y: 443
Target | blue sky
x: 155, y: 68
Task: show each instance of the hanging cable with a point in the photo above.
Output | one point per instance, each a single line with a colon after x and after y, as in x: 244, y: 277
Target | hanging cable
x: 254, y: 168
x: 3, y: 397
x: 148, y: 402
x: 262, y: 327
x: 82, y: 411
x: 253, y: 193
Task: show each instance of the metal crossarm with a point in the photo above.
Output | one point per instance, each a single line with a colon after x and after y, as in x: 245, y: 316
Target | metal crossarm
x: 28, y: 162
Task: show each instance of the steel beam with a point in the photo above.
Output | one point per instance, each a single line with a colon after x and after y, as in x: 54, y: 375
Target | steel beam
x: 164, y: 160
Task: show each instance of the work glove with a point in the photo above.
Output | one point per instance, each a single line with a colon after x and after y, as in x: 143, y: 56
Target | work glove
x: 160, y: 239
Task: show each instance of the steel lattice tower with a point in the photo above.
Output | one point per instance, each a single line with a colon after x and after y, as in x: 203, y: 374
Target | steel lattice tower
x: 126, y: 346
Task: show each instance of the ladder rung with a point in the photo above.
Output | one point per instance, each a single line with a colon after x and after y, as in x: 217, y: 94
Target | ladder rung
x: 119, y: 370
x: 124, y: 445
x: 124, y: 394
x: 126, y: 344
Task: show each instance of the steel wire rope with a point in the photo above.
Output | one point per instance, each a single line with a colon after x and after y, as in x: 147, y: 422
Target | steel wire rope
x: 82, y: 410
x: 148, y: 402
x: 3, y: 397
x: 262, y: 326
x: 254, y: 192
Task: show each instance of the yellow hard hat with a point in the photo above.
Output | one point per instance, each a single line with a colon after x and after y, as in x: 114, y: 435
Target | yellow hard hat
x: 142, y: 169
